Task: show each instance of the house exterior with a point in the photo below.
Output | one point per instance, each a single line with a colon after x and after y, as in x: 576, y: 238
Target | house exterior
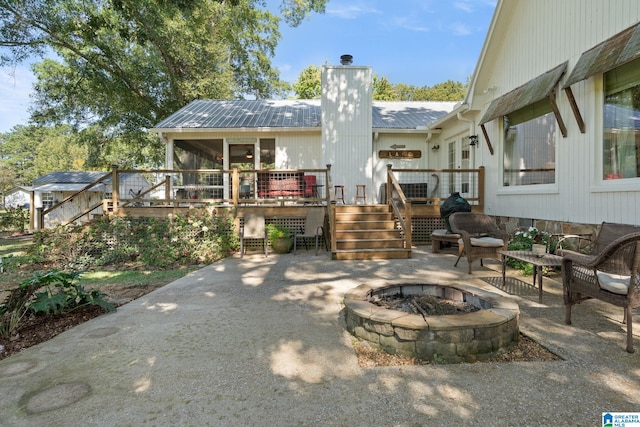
x: 17, y: 197
x: 555, y: 105
x: 552, y: 115
x: 358, y: 137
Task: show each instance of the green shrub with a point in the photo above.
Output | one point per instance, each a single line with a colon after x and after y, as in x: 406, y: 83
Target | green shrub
x: 196, y: 238
x: 276, y: 232
x: 14, y: 219
x: 53, y: 292
x: 523, y: 241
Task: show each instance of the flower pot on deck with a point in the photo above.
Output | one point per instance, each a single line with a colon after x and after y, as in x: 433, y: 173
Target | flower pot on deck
x: 282, y: 245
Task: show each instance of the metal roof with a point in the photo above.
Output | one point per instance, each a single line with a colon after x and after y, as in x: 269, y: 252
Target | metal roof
x: 238, y: 114
x: 408, y: 115
x: 68, y: 187
x: 615, y: 51
x: 531, y: 92
x: 75, y: 177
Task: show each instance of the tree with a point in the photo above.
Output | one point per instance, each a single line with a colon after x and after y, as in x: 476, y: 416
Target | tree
x: 120, y: 66
x: 446, y: 91
x: 308, y: 85
x: 32, y: 151
x: 383, y: 89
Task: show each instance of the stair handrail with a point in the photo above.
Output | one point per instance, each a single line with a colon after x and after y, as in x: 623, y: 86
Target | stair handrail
x: 85, y: 212
x: 68, y: 198
x: 399, y: 205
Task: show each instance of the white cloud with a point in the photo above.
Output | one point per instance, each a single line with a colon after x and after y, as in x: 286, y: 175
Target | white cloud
x: 349, y: 11
x: 409, y: 24
x: 469, y: 6
x: 460, y: 29
x: 463, y: 5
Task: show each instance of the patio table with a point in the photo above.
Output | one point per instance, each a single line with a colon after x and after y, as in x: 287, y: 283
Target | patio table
x: 547, y: 260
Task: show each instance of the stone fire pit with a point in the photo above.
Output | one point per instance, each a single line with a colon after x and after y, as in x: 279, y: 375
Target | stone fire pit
x: 451, y: 338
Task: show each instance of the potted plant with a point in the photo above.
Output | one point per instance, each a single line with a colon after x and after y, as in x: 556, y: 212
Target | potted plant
x: 280, y: 238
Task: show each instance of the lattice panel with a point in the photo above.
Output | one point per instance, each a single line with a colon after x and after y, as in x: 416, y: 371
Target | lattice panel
x: 423, y: 227
x: 290, y: 223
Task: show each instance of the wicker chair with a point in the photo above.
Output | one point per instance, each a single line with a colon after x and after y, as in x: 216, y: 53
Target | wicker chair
x: 610, y: 272
x: 480, y: 237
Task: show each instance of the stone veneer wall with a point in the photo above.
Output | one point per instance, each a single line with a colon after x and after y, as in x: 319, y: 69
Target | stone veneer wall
x: 512, y: 224
x: 447, y: 338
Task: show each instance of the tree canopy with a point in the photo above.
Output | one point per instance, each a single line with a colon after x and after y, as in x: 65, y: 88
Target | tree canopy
x: 308, y: 86
x: 117, y: 67
x: 32, y: 151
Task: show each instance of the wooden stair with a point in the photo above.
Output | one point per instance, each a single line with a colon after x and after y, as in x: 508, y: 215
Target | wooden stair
x: 367, y: 232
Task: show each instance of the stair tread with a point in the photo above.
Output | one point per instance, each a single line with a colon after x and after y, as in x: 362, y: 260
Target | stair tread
x: 356, y: 231
x: 373, y: 250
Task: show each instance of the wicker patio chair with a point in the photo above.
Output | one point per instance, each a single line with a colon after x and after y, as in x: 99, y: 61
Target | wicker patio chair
x: 610, y: 272
x: 480, y: 237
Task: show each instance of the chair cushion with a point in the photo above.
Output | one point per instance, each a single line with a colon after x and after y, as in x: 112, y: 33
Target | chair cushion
x: 485, y: 242
x: 444, y: 232
x: 614, y: 283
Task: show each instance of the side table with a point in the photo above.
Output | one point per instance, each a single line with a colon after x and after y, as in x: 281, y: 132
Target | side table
x: 548, y: 260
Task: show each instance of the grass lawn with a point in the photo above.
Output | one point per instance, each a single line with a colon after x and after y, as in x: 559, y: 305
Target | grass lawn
x: 108, y: 278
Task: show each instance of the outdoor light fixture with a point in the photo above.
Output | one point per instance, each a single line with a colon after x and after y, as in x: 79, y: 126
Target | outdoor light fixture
x: 473, y: 140
x: 435, y: 148
x: 249, y: 154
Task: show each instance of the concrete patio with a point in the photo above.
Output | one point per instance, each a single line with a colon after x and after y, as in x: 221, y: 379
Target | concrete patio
x: 262, y: 342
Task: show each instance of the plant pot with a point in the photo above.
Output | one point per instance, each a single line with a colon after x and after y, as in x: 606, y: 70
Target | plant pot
x: 282, y: 245
x: 538, y: 250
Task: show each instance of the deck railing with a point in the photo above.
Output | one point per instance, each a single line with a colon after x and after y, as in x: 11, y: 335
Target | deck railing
x: 415, y: 195
x: 141, y: 190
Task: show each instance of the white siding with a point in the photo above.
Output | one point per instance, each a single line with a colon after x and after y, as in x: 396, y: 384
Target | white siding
x: 298, y: 150
x: 346, y: 126
x: 294, y: 150
x: 530, y: 38
x: 384, y: 142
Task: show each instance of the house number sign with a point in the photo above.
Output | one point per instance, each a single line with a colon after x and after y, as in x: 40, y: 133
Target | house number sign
x: 399, y: 154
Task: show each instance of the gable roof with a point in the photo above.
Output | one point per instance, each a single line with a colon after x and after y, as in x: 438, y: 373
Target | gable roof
x: 297, y: 114
x: 75, y: 177
x: 76, y: 180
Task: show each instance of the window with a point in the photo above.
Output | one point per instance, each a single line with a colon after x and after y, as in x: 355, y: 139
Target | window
x: 621, y: 122
x: 530, y: 145
x: 451, y: 163
x: 465, y: 164
x: 459, y: 157
x: 267, y: 153
x: 47, y: 199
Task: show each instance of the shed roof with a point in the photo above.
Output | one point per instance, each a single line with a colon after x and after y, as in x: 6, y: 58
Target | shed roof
x: 534, y: 90
x: 74, y: 177
x: 237, y: 114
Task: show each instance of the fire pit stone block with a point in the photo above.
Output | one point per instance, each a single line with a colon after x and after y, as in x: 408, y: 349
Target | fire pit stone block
x: 448, y: 338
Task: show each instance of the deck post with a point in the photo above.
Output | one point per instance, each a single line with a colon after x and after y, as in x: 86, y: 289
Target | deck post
x: 235, y: 186
x: 115, y: 188
x: 332, y: 223
x: 481, y: 188
x: 327, y: 184
x: 388, y: 188
x: 167, y: 188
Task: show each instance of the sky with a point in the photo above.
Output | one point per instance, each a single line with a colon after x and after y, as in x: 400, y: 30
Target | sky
x: 416, y: 42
